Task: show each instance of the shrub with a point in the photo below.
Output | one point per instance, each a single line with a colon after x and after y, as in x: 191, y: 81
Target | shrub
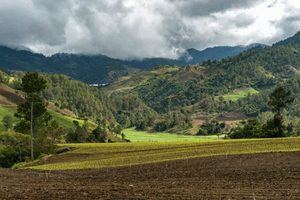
x: 14, y: 147
x: 211, y: 127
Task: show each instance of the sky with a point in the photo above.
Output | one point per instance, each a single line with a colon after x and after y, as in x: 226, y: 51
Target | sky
x: 128, y: 29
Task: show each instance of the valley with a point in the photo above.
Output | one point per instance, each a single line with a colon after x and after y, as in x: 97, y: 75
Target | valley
x: 127, y: 107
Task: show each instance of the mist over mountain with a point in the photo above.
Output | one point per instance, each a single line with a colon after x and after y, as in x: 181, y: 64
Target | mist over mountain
x: 101, y: 68
x: 194, y: 56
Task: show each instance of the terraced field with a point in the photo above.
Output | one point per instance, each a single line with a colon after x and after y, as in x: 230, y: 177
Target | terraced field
x: 95, y: 156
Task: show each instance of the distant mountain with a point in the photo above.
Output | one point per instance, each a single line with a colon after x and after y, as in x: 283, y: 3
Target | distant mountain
x: 194, y: 56
x: 100, y: 68
x: 293, y: 41
x: 87, y: 68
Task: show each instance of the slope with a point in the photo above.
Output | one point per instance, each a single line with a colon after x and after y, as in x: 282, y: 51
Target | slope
x: 194, y: 56
x: 259, y: 69
x: 9, y: 98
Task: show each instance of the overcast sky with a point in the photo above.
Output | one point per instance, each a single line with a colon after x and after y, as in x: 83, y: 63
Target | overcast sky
x: 143, y: 28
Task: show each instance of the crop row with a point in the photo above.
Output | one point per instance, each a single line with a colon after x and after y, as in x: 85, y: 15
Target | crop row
x: 90, y: 156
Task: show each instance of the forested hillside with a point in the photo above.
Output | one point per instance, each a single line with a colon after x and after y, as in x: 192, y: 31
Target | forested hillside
x: 168, y: 97
x: 205, y: 86
x: 194, y: 56
x: 86, y: 101
x: 101, y: 68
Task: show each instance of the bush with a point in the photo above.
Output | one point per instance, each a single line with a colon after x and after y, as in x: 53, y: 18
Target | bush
x: 8, y: 156
x: 247, y: 129
x: 255, y: 129
x: 211, y: 127
x: 7, y: 122
x: 14, y: 147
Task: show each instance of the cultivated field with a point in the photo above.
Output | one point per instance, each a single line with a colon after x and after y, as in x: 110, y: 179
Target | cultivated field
x: 251, y: 176
x: 95, y: 156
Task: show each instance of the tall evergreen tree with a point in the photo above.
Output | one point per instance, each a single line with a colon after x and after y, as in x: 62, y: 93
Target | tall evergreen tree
x: 33, y: 111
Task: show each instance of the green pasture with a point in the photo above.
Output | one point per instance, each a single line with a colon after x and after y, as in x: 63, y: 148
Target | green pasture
x: 143, y: 136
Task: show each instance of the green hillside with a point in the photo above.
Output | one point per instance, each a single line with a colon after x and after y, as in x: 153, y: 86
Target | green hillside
x: 64, y: 120
x: 251, y: 74
x: 165, y: 98
x: 9, y: 98
x: 89, y: 102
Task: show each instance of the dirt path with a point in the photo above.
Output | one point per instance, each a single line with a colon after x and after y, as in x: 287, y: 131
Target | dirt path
x: 255, y: 176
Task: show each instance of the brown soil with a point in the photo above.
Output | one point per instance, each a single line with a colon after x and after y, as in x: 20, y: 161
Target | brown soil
x: 63, y: 111
x: 253, y: 176
x: 9, y: 96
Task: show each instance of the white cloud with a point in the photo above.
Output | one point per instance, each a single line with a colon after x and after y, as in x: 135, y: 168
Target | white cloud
x: 143, y: 28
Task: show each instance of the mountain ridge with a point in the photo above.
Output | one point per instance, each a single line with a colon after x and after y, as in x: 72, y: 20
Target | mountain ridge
x: 103, y: 69
x: 194, y: 56
x: 92, y: 68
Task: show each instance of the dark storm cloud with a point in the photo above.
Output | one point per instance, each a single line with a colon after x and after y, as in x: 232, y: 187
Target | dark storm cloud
x: 143, y: 28
x: 21, y: 22
x: 286, y: 27
x: 205, y: 7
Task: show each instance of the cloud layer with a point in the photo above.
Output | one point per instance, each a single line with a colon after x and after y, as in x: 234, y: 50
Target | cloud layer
x: 143, y: 28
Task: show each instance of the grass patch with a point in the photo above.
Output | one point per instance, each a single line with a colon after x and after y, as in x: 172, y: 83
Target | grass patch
x: 143, y: 136
x: 63, y: 120
x: 240, y: 93
x: 67, y: 121
x: 93, y: 156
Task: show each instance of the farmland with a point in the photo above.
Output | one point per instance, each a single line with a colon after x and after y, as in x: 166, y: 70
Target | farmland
x: 143, y: 136
x: 95, y: 156
x: 250, y: 176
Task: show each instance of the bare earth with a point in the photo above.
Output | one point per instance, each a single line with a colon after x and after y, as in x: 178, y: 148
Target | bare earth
x: 253, y: 176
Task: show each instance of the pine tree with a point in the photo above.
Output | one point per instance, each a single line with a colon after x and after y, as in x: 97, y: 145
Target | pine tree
x: 33, y: 112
